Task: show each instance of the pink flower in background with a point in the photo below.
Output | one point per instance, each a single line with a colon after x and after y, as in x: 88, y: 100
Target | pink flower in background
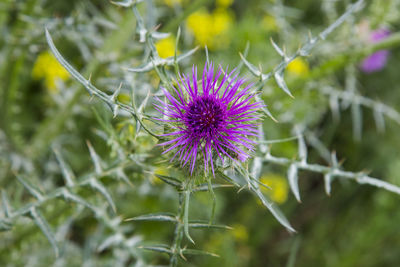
x: 377, y: 60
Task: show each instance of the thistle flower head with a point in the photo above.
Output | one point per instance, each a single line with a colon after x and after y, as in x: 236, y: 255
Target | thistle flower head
x: 217, y: 120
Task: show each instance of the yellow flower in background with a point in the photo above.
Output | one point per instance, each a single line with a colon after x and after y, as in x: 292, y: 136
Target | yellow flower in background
x: 166, y: 47
x: 298, y: 67
x: 172, y: 3
x: 269, y: 23
x: 47, y: 68
x: 279, y: 187
x: 224, y: 3
x: 211, y: 29
x: 240, y: 233
x: 200, y: 23
x: 222, y: 20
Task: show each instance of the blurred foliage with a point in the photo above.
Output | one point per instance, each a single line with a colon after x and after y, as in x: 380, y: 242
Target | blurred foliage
x: 71, y: 173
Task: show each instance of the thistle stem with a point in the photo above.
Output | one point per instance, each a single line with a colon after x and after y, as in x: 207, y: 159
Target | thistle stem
x: 179, y: 230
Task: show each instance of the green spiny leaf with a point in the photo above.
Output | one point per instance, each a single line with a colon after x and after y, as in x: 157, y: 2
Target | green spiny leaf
x: 95, y: 159
x: 6, y: 204
x: 5, y: 225
x: 158, y: 248
x: 97, y: 185
x: 113, y: 240
x: 293, y: 181
x: 161, y: 216
x: 206, y: 187
x: 214, y: 198
x: 276, y: 212
x: 77, y: 199
x: 30, y: 187
x: 206, y: 224
x: 126, y: 3
x: 66, y: 171
x: 186, y: 215
x: 198, y: 252
x: 44, y: 226
x: 278, y: 49
x: 253, y: 69
x: 356, y: 113
x: 328, y: 181
x: 120, y: 174
x: 171, y: 181
x: 379, y: 120
x: 281, y: 83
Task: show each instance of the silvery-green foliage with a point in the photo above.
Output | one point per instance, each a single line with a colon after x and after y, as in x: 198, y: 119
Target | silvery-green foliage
x: 33, y: 201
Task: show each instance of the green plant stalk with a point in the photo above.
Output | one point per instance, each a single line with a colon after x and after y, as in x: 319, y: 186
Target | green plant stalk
x: 182, y: 222
x: 360, y: 177
x: 179, y: 230
x: 51, y: 127
x: 293, y: 252
x: 9, y: 73
x: 14, y: 86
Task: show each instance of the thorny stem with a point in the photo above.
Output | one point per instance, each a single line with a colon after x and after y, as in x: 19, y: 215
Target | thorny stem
x: 182, y: 223
x: 179, y: 229
x: 359, y: 177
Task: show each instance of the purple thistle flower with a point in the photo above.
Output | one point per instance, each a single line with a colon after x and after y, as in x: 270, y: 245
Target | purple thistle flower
x: 377, y: 60
x: 218, y: 120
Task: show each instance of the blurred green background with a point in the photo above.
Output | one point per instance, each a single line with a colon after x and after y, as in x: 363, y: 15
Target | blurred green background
x: 42, y: 107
